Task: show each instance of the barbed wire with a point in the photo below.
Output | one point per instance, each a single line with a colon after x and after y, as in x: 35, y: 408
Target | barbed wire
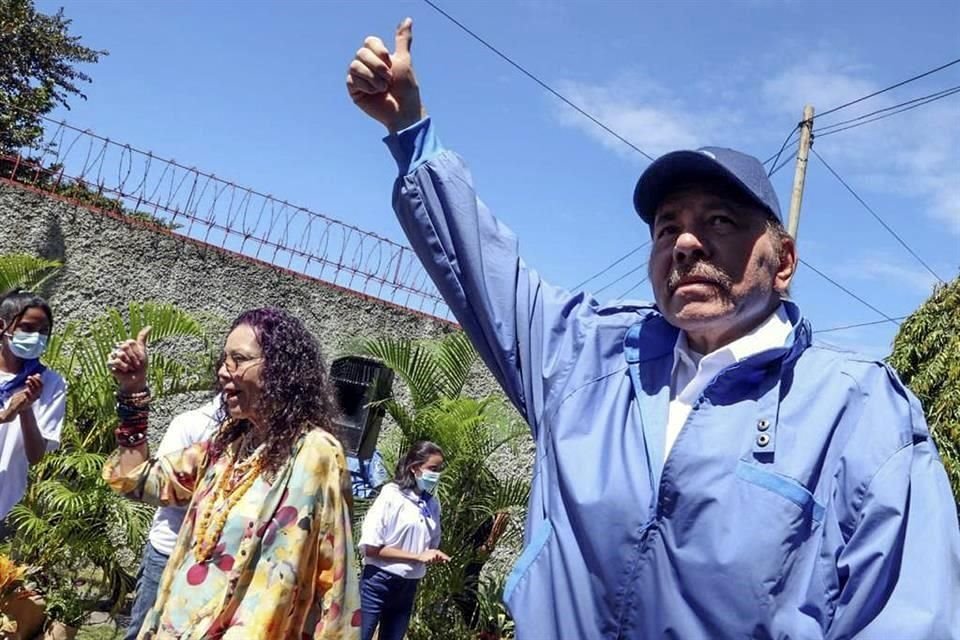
x: 92, y: 170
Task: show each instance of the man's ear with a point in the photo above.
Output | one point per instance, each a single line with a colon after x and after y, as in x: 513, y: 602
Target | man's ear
x: 787, y: 267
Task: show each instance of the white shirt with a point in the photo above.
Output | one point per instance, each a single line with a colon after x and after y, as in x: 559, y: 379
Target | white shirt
x: 692, y: 372
x: 49, y: 410
x: 185, y: 430
x: 401, y: 520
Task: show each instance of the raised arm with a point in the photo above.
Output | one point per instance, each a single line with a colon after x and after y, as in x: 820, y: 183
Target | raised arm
x: 525, y: 330
x: 165, y: 481
x: 128, y: 363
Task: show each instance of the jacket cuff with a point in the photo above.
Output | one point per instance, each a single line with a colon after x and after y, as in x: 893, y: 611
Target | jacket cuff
x: 413, y: 146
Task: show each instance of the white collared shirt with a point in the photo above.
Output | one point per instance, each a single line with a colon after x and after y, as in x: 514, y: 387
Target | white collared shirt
x: 49, y: 411
x: 692, y: 372
x: 185, y: 430
x: 401, y: 519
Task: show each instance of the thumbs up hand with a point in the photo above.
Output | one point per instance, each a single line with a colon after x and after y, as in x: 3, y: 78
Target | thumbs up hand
x: 128, y: 363
x: 383, y: 84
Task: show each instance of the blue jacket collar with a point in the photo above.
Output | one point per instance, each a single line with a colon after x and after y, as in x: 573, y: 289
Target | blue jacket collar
x: 657, y: 337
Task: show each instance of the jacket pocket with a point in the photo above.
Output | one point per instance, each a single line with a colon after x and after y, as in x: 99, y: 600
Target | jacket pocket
x: 538, y: 541
x: 780, y: 541
x: 783, y: 486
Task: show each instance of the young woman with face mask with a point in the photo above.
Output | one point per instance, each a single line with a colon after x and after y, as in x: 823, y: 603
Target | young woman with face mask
x: 400, y: 537
x: 32, y: 397
x: 265, y: 549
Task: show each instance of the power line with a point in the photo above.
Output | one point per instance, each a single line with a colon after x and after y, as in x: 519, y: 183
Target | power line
x: 891, y: 87
x: 858, y: 325
x: 603, y: 126
x: 936, y: 95
x: 831, y: 129
x: 789, y: 138
x: 611, y: 266
x: 847, y: 291
x: 633, y: 288
x: 859, y: 121
x: 837, y: 127
x: 610, y: 284
x: 877, y: 216
x: 776, y: 157
x: 785, y: 162
x: 540, y: 82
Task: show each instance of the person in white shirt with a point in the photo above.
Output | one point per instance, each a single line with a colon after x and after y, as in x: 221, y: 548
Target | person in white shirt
x: 185, y: 430
x: 399, y: 538
x: 32, y: 397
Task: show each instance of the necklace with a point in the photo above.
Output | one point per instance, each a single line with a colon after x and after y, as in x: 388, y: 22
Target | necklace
x: 230, y: 487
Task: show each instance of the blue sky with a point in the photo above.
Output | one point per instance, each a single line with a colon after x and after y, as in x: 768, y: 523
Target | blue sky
x: 254, y: 92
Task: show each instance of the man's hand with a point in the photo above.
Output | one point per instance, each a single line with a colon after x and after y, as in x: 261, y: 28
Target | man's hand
x: 433, y: 556
x: 383, y: 85
x: 128, y: 363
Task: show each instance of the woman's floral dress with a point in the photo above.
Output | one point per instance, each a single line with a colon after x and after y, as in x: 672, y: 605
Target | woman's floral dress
x: 284, y: 566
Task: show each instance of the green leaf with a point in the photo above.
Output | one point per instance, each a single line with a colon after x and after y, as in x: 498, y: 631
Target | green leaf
x: 473, y: 433
x: 926, y: 355
x: 25, y: 271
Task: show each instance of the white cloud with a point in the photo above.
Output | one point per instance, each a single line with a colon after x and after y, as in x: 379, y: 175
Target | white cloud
x: 824, y: 80
x: 644, y: 113
x: 880, y: 267
x: 915, y: 153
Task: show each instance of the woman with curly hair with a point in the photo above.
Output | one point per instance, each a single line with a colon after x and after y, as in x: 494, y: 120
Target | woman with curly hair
x: 265, y: 548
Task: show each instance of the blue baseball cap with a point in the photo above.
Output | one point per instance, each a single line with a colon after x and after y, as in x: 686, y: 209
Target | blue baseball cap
x: 741, y: 171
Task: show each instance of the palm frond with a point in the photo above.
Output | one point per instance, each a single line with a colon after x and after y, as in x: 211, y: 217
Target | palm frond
x: 513, y: 492
x: 413, y: 363
x: 69, y: 518
x: 455, y: 358
x: 471, y: 431
x: 26, y: 271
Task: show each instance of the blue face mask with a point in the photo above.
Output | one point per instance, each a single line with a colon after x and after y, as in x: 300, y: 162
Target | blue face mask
x: 27, y: 346
x: 427, y: 481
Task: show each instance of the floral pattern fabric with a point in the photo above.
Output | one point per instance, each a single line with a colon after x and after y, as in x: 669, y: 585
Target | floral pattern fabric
x: 284, y: 566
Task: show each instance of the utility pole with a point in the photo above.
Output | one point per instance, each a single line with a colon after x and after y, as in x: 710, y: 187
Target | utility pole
x: 800, y: 174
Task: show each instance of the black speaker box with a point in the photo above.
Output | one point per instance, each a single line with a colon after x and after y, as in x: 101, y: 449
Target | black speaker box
x: 359, y: 382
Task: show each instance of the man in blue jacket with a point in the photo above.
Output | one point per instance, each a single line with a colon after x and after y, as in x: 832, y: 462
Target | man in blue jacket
x: 703, y: 470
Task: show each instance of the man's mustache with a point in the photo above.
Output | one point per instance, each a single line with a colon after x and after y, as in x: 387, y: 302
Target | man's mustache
x: 699, y: 271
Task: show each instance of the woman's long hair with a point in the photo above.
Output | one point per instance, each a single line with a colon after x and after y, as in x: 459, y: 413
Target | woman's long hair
x: 418, y: 454
x: 296, y: 395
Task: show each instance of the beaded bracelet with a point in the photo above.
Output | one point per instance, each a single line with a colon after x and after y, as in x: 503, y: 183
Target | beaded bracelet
x: 132, y: 414
x: 131, y: 435
x: 133, y: 411
x: 138, y: 399
x: 133, y: 406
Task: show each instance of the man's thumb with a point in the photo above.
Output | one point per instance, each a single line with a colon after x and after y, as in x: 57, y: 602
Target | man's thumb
x: 142, y: 336
x: 404, y: 37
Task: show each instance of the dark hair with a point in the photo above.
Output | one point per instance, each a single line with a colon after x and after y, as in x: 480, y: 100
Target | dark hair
x: 297, y: 394
x: 17, y: 302
x: 415, y: 456
x: 778, y: 233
